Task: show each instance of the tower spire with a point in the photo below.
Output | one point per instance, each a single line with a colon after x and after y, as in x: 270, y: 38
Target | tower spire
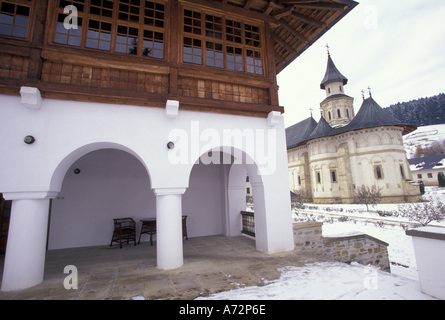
x: 332, y: 74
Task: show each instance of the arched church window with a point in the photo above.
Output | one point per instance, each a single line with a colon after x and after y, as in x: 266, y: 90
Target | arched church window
x: 378, y: 172
x: 329, y: 114
x: 334, y: 176
x: 347, y: 113
x: 338, y: 113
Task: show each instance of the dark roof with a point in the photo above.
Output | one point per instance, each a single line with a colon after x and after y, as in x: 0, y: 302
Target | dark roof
x: 372, y: 115
x: 332, y: 74
x: 323, y: 129
x: 428, y: 162
x: 300, y: 132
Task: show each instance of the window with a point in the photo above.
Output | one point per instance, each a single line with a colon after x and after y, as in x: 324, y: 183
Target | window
x: 134, y: 27
x: 234, y: 58
x: 71, y: 36
x: 419, y: 176
x: 299, y: 180
x: 347, y: 113
x: 341, y: 89
x: 14, y: 19
x: 329, y: 114
x: 253, y: 62
x: 402, y: 171
x: 192, y: 50
x: 333, y: 176
x: 378, y: 172
x: 214, y: 54
x: 217, y: 41
x: 338, y: 113
x: 98, y: 35
x: 318, y: 177
x: 430, y: 175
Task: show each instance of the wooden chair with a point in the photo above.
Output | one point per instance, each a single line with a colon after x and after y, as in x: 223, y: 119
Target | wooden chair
x: 124, y: 230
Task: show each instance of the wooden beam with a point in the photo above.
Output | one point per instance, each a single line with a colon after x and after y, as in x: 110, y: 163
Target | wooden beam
x: 234, y: 10
x: 35, y: 61
x: 314, y: 22
x: 283, y: 43
x: 278, y: 14
x: 294, y: 32
x: 315, y: 4
x: 247, y: 4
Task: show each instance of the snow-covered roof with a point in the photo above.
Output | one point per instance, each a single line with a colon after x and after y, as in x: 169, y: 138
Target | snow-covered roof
x: 431, y: 162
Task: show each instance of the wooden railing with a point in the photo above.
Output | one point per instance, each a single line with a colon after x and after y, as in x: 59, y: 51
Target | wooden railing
x: 248, y: 223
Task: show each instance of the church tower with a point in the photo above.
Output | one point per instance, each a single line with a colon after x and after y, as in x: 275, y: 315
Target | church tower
x: 337, y: 108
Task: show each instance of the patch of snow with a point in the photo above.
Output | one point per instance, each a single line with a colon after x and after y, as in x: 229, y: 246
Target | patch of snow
x: 340, y: 281
x: 424, y: 137
x: 329, y: 281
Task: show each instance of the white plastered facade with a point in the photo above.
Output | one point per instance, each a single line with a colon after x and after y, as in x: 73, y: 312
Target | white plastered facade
x: 127, y: 145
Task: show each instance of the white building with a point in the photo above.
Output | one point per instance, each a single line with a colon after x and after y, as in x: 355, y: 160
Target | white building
x: 328, y: 160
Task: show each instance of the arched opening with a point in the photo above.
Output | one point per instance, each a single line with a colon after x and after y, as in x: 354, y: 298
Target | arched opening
x: 217, y: 194
x: 97, y: 187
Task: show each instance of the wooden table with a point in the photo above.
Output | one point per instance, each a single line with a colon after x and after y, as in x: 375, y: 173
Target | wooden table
x: 149, y: 227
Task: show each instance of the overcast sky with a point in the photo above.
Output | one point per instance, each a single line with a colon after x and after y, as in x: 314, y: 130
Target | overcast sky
x: 396, y: 47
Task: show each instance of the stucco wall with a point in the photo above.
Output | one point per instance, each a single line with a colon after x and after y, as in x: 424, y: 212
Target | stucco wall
x: 66, y: 131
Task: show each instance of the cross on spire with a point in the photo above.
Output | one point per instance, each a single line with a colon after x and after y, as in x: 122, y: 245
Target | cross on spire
x: 327, y: 47
x: 310, y: 109
x: 363, y: 94
x: 369, y: 89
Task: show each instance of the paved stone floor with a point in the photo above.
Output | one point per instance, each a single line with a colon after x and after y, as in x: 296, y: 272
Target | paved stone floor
x: 211, y: 264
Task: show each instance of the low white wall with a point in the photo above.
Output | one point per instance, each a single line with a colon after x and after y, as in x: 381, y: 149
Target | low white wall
x: 429, y: 248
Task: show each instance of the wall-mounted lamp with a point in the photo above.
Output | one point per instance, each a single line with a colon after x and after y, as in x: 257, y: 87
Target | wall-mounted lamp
x: 29, y: 140
x: 77, y: 171
x: 170, y: 145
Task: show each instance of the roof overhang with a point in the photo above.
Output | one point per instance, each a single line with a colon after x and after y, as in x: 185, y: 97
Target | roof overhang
x: 295, y: 24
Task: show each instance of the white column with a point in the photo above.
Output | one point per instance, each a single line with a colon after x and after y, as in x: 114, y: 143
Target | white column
x: 169, y: 228
x: 26, y: 247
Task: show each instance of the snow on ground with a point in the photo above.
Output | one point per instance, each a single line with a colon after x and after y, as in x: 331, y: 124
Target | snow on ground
x: 424, y: 136
x: 338, y: 281
x: 330, y: 281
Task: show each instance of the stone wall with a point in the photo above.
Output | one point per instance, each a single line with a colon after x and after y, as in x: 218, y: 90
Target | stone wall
x: 360, y: 248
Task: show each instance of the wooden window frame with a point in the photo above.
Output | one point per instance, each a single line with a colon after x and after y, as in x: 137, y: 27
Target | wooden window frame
x: 199, y: 23
x: 30, y: 23
x: 151, y: 19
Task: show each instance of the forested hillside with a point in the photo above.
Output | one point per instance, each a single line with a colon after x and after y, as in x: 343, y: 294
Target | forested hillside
x: 420, y: 112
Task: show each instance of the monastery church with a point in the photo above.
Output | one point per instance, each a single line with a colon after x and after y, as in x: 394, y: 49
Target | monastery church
x: 328, y: 160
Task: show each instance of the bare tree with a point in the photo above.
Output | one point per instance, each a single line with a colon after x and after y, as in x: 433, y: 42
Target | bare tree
x: 368, y: 196
x: 424, y: 212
